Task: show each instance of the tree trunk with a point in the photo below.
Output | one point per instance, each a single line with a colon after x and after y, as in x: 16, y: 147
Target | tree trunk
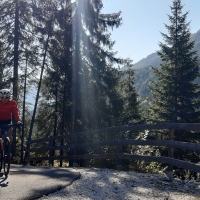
x: 38, y: 91
x: 16, y: 52
x: 55, y: 121
x: 63, y: 117
x: 23, y: 116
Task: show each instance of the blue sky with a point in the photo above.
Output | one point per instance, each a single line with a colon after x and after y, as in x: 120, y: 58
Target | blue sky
x: 143, y: 20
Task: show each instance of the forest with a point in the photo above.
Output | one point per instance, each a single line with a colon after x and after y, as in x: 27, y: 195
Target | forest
x: 63, y: 50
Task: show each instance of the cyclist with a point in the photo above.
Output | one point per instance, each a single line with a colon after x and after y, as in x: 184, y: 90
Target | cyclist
x: 8, y: 110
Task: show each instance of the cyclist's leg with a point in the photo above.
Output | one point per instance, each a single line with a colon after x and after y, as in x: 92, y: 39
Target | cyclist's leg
x: 7, y: 157
x: 9, y: 130
x: 1, y: 141
x: 10, y: 135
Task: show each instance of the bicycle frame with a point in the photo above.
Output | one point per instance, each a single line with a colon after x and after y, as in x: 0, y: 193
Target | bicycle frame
x: 4, y: 138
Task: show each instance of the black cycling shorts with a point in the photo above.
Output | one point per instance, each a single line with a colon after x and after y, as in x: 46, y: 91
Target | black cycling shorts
x: 5, y: 122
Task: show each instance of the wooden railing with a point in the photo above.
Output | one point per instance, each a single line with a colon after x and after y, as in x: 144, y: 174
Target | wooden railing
x: 119, y: 143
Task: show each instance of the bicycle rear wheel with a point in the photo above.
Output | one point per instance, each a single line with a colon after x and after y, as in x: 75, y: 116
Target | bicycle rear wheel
x: 6, y: 157
x: 1, y: 159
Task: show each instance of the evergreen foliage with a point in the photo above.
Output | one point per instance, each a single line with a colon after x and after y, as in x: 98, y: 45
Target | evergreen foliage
x: 175, y: 93
x: 131, y: 113
x: 80, y: 89
x: 143, y: 68
x: 82, y: 67
x: 16, y: 33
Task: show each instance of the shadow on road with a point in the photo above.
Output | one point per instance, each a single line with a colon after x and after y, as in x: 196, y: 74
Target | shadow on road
x: 34, y: 182
x: 51, y: 172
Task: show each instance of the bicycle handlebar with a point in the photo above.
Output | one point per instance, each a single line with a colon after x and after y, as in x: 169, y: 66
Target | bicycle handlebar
x: 7, y: 126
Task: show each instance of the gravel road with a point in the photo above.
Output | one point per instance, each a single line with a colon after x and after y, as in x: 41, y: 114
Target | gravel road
x: 97, y: 184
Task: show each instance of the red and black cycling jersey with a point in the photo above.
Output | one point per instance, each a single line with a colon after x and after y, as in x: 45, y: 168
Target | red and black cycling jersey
x: 9, y: 110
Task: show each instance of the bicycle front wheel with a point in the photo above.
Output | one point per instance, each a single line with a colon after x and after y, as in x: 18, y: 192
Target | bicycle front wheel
x: 6, y: 157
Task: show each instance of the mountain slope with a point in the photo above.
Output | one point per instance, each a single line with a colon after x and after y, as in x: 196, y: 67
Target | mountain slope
x: 143, y: 70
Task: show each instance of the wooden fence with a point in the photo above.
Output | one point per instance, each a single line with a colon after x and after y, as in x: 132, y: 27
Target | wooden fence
x: 73, y: 145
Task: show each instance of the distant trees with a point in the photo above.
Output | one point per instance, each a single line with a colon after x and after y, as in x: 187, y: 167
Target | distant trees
x: 131, y: 112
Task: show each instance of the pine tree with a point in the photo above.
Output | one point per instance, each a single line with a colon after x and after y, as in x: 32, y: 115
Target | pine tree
x: 5, y: 71
x: 93, y: 58
x: 81, y: 64
x: 131, y: 113
x: 175, y: 93
x: 17, y: 35
x: 131, y: 108
x: 82, y: 50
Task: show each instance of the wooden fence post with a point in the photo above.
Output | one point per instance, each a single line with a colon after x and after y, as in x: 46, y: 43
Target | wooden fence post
x: 170, y: 154
x: 27, y: 153
x: 74, y: 141
x: 13, y: 146
x: 71, y: 151
x: 120, y: 150
x: 51, y: 162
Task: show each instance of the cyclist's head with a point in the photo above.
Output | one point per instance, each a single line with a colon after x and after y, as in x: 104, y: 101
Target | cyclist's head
x: 5, y: 94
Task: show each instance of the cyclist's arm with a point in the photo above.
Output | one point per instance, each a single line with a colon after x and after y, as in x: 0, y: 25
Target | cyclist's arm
x: 15, y: 112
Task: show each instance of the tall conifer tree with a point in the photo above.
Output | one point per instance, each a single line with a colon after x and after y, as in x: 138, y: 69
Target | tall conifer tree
x: 175, y: 93
x: 131, y: 114
x: 82, y: 50
x: 176, y: 96
x: 17, y: 36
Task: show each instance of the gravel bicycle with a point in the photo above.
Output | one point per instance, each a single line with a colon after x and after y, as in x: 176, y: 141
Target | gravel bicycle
x: 5, y: 147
